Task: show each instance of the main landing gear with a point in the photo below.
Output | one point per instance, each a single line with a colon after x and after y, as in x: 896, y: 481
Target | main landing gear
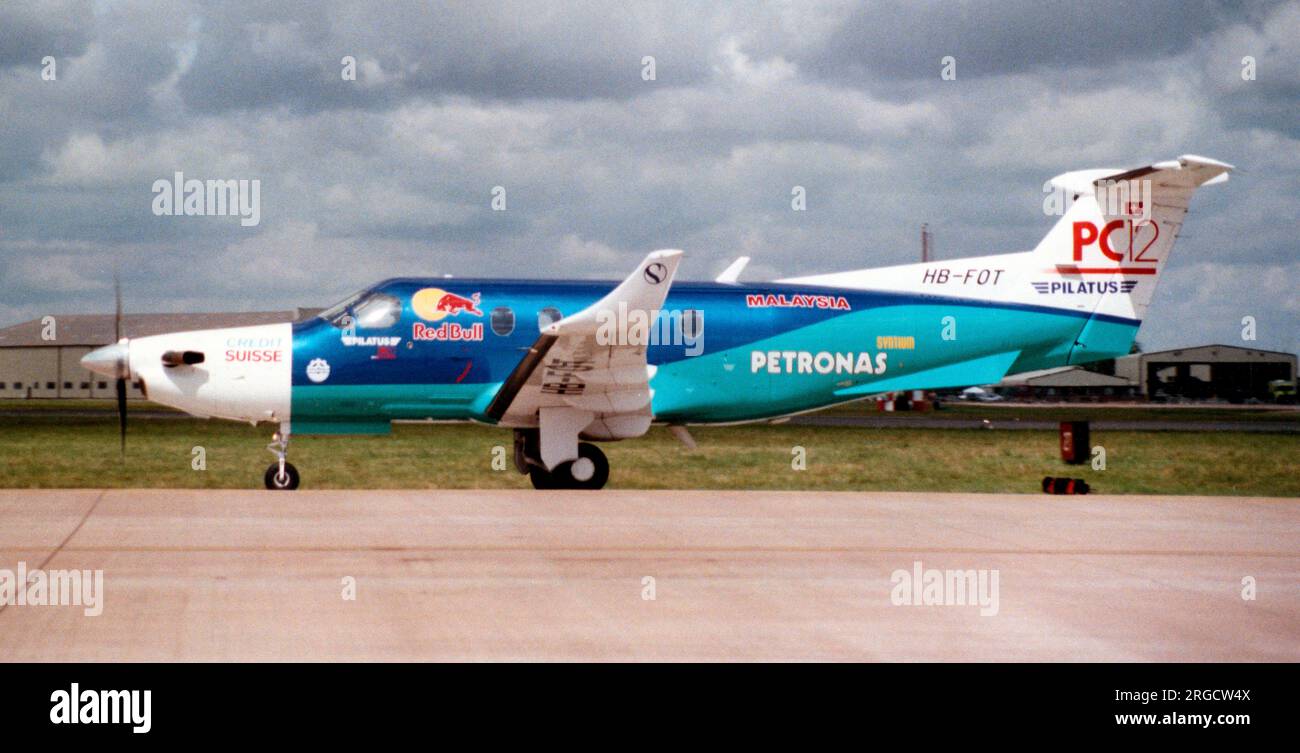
x: 590, y: 470
x: 281, y: 475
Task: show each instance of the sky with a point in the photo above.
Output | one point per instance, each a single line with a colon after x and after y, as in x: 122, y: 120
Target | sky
x: 550, y: 107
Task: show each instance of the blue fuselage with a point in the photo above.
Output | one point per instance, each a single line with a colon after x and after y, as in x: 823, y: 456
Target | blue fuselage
x: 720, y: 352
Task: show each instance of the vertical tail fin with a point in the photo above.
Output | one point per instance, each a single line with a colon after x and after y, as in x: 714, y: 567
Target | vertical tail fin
x: 1120, y: 230
x: 1100, y: 261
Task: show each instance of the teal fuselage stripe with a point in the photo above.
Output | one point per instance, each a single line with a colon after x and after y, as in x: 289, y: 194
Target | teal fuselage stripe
x: 725, y: 387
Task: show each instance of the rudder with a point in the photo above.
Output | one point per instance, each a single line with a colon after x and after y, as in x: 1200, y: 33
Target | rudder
x: 1106, y: 254
x: 1118, y: 234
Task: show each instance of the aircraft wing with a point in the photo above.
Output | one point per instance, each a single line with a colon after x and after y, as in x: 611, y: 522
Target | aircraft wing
x: 584, y: 363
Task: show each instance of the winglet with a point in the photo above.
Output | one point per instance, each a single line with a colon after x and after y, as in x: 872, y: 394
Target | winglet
x: 645, y: 289
x: 732, y: 273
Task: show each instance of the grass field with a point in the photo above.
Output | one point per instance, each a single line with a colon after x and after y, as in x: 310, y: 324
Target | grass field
x: 1083, y: 412
x: 954, y: 410
x: 51, y: 451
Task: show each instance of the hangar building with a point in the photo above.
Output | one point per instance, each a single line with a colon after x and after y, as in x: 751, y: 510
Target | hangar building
x: 1066, y: 383
x: 41, y: 358
x: 1207, y: 371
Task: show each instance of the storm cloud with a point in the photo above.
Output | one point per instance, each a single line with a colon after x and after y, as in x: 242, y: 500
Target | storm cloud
x: 394, y: 172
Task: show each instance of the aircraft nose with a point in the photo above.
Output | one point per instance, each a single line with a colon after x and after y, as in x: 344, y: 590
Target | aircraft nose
x: 110, y: 360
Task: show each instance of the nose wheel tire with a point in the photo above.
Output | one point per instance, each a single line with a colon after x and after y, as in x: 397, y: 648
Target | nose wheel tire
x: 589, y: 471
x: 276, y: 481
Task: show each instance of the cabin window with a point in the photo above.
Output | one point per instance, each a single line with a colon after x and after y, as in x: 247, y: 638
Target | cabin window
x: 102, y: 385
x: 548, y: 316
x: 503, y: 320
x: 49, y: 385
x: 85, y: 385
x: 692, y: 324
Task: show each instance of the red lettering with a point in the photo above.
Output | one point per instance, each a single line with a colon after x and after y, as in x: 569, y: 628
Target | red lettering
x: 447, y: 331
x: 1133, y: 230
x: 263, y: 355
x: 1104, y: 244
x: 1084, y: 234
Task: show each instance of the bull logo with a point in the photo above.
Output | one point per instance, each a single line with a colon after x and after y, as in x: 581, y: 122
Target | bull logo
x: 434, y: 304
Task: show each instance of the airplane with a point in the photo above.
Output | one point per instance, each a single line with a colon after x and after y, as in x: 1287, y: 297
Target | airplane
x: 565, y: 364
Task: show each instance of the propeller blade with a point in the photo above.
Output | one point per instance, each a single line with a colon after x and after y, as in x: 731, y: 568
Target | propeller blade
x: 121, y: 412
x: 117, y: 310
x: 123, y: 369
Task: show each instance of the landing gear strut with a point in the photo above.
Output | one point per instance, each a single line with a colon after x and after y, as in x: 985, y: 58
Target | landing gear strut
x: 281, y: 475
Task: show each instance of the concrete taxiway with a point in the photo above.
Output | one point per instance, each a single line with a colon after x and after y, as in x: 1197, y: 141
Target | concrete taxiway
x: 524, y: 575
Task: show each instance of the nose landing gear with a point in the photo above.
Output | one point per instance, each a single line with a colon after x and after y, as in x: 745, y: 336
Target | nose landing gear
x: 281, y: 475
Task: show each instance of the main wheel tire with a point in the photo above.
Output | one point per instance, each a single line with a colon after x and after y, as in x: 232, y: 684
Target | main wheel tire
x: 541, y: 478
x: 589, y: 471
x: 599, y: 469
x: 276, y: 482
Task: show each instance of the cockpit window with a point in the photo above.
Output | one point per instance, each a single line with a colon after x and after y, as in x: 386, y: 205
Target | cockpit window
x: 364, y: 310
x: 340, y: 313
x: 377, y: 311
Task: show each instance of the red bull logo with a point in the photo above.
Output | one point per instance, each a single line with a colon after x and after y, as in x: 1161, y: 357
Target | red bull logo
x: 435, y: 304
x: 454, y: 304
x: 446, y: 332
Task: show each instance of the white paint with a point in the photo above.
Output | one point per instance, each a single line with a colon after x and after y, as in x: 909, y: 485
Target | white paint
x: 1010, y: 277
x: 222, y: 386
